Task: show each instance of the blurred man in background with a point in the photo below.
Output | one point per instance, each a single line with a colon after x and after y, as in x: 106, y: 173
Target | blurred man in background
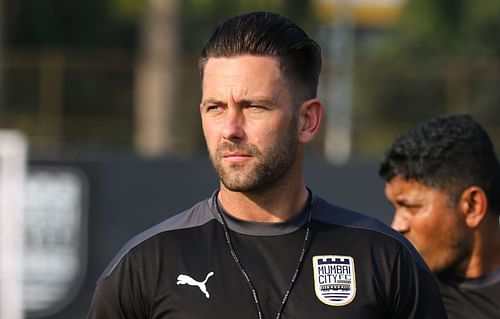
x: 443, y: 178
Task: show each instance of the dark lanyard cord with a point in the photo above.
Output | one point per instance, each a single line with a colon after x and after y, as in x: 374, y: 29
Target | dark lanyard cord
x: 243, y: 271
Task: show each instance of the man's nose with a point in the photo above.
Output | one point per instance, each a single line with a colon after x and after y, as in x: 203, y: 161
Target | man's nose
x: 400, y: 222
x: 233, y: 128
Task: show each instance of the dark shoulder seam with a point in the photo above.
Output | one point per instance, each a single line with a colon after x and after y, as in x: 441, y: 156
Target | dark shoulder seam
x: 196, y: 216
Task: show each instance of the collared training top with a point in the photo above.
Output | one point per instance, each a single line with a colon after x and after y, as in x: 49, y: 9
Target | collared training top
x: 182, y: 268
x: 477, y: 298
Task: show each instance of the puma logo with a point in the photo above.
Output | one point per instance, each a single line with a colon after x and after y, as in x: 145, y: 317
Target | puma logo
x: 187, y: 280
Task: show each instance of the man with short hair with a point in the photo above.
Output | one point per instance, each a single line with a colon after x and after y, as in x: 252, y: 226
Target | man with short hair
x: 443, y: 178
x: 264, y: 246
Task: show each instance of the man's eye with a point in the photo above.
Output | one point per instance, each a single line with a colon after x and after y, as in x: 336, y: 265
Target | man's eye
x: 256, y: 107
x: 212, y: 108
x: 412, y: 209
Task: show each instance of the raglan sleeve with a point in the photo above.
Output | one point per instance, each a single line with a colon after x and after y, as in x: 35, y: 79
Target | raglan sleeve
x: 118, y: 293
x: 414, y: 291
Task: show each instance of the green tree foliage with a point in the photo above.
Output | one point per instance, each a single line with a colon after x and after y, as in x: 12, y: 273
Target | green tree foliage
x: 450, y: 27
x: 75, y: 23
x: 442, y: 57
x: 108, y: 23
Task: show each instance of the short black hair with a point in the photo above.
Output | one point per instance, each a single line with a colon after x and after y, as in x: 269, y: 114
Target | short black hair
x: 269, y: 34
x: 449, y: 153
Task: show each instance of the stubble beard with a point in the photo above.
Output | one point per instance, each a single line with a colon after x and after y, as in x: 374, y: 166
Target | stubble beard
x: 456, y: 254
x: 270, y: 167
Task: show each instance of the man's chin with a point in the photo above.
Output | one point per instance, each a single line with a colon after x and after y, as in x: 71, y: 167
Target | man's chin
x: 240, y: 188
x: 234, y: 181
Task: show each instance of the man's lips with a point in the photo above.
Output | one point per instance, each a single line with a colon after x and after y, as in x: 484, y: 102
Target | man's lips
x: 236, y: 157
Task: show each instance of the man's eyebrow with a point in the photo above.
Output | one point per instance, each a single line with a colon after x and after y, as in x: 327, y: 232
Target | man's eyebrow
x: 246, y: 101
x: 210, y: 101
x: 257, y: 100
x: 406, y: 202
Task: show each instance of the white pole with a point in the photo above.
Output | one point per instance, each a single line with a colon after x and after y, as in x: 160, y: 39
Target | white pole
x: 1, y: 56
x: 13, y: 148
x: 340, y: 50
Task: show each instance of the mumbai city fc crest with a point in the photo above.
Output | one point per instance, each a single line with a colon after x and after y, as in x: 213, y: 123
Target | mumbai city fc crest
x: 334, y: 279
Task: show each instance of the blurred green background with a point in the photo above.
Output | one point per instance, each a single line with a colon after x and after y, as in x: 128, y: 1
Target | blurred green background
x: 120, y: 76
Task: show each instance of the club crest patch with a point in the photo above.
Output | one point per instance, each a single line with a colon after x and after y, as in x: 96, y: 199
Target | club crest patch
x: 334, y: 279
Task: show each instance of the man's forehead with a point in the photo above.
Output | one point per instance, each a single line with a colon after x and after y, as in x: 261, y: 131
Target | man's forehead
x: 402, y: 188
x: 242, y: 76
x: 263, y: 61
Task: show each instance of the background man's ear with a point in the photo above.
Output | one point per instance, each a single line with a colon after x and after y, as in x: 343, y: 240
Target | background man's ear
x: 474, y: 205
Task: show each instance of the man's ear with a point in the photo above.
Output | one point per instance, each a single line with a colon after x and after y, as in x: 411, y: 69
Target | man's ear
x: 310, y: 117
x: 474, y: 205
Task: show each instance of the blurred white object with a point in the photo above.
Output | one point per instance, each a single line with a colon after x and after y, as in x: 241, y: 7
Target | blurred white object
x: 13, y: 148
x: 55, y: 238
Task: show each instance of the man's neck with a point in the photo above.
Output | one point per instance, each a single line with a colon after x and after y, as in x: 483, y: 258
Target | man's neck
x: 276, y: 205
x: 485, y: 258
x: 491, y: 254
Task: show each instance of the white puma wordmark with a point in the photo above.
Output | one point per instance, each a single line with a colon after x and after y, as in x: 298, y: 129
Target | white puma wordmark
x: 187, y: 280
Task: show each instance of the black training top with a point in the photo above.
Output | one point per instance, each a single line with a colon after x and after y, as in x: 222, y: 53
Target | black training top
x: 355, y: 267
x: 477, y: 298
